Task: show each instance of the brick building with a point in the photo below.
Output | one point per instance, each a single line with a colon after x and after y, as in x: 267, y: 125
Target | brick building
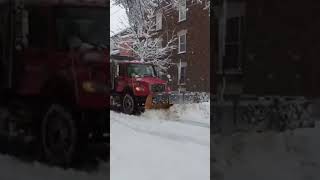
x: 191, y: 60
x: 267, y: 47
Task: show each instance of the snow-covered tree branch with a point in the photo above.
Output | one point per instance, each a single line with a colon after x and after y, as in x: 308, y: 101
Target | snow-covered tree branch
x: 147, y: 44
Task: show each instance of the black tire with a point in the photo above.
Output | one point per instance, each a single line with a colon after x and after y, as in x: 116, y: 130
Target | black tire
x: 128, y: 104
x: 59, y: 136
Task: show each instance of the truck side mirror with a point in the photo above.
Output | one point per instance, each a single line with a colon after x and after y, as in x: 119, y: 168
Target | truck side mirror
x: 117, y: 71
x: 169, y: 77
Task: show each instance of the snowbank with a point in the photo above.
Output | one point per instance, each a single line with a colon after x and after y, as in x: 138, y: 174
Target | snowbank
x: 169, y: 144
x: 277, y: 156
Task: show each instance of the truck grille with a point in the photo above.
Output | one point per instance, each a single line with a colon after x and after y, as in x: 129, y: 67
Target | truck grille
x: 158, y: 88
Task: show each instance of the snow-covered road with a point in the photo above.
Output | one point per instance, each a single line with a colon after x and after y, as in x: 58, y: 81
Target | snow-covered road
x: 290, y: 155
x: 158, y: 145
x: 15, y: 169
x: 161, y: 144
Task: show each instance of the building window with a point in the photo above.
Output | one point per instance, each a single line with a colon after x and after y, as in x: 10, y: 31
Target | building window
x: 231, y: 30
x: 182, y: 46
x: 182, y: 10
x: 159, y: 43
x: 232, y: 43
x: 140, y: 30
x: 182, y: 73
x: 158, y: 21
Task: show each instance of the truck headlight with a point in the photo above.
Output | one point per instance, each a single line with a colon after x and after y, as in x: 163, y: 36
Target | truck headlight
x: 88, y: 87
x: 93, y: 87
x: 139, y: 88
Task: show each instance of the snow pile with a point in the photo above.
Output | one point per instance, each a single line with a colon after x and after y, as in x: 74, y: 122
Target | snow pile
x: 252, y: 156
x: 169, y: 144
x: 14, y: 169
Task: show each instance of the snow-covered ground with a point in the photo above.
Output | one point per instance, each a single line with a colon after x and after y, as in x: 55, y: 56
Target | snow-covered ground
x: 169, y: 144
x: 293, y: 155
x: 14, y: 169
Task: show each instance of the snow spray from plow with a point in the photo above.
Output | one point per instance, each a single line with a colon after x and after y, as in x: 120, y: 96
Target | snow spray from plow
x: 168, y: 100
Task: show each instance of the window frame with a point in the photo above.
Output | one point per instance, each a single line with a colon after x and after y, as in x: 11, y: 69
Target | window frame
x: 139, y: 30
x: 179, y: 42
x: 158, y: 21
x: 182, y: 9
x: 160, y: 43
x: 180, y: 66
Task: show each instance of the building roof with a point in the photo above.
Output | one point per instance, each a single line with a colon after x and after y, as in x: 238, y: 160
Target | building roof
x: 122, y: 33
x: 119, y: 57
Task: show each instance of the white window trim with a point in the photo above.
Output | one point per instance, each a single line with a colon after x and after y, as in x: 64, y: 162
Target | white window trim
x: 182, y: 33
x: 158, y: 21
x: 181, y: 8
x: 140, y: 30
x: 160, y: 42
x: 180, y: 65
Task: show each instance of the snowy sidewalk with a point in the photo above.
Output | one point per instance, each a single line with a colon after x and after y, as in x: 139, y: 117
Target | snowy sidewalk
x: 263, y: 156
x: 161, y: 145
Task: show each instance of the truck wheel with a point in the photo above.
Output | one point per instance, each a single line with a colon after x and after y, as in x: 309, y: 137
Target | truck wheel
x: 128, y: 104
x: 59, y: 135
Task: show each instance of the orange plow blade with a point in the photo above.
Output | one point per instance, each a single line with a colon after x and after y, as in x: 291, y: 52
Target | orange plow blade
x: 151, y: 103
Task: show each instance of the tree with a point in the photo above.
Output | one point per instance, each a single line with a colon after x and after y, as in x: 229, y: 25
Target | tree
x: 141, y: 36
x: 147, y: 44
x: 144, y: 40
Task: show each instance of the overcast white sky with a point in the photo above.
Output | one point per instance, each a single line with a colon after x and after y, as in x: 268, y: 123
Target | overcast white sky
x: 118, y: 18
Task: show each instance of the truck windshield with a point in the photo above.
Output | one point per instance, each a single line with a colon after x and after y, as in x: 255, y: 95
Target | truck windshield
x: 141, y: 70
x: 80, y: 26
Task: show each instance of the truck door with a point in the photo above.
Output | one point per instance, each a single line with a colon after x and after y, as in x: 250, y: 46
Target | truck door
x: 32, y: 61
x: 120, y: 80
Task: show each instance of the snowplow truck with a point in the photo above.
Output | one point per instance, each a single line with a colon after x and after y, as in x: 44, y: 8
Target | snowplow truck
x: 137, y: 86
x: 54, y: 76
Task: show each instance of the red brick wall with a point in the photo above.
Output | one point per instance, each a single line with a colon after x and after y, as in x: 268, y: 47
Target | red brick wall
x: 197, y: 55
x: 284, y: 38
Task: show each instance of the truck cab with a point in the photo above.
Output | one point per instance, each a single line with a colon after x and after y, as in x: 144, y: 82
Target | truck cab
x: 54, y: 58
x: 133, y: 82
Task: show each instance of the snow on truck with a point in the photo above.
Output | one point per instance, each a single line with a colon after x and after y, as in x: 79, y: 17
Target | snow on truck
x: 54, y: 76
x: 136, y: 86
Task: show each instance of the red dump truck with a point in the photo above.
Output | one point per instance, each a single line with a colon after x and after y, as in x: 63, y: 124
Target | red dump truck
x: 136, y: 86
x: 54, y: 75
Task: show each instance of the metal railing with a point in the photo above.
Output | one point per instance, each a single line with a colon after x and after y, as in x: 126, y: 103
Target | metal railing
x: 262, y: 114
x: 188, y: 97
